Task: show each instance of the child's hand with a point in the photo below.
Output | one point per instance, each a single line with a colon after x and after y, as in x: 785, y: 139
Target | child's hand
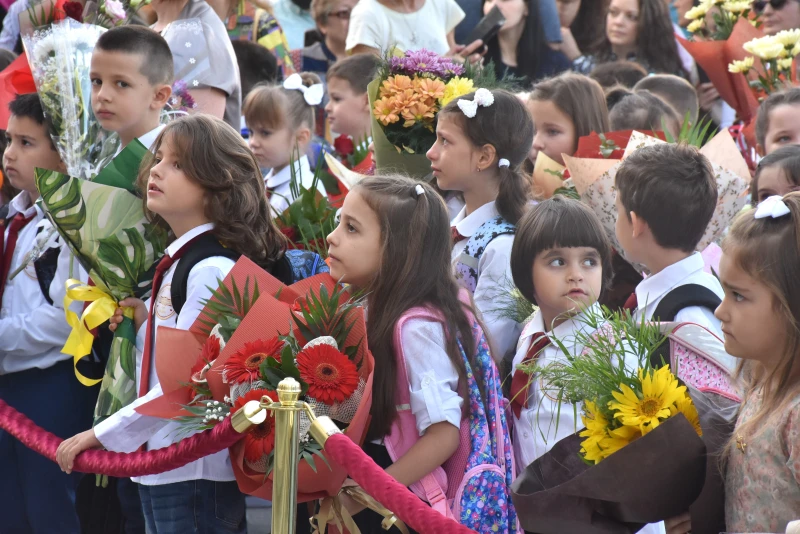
x: 681, y: 524
x: 139, y: 314
x: 69, y: 449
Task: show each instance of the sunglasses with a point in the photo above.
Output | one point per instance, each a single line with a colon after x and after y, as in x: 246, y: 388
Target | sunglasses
x: 343, y: 14
x: 760, y: 5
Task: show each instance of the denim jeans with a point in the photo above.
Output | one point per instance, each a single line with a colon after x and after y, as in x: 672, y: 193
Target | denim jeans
x: 194, y: 507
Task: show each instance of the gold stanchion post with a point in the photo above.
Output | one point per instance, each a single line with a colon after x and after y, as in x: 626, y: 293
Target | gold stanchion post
x: 287, y: 438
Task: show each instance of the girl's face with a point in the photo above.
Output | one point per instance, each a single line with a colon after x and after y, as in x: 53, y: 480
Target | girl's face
x: 786, y: 17
x: 354, y: 247
x: 338, y: 23
x: 555, y: 132
x: 514, y: 11
x: 452, y: 156
x: 773, y: 181
x: 753, y: 327
x: 784, y: 128
x: 566, y: 279
x: 567, y: 11
x: 273, y: 148
x: 622, y: 23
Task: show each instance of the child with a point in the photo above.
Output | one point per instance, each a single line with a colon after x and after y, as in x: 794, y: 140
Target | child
x: 392, y: 242
x: 33, y: 370
x: 666, y: 196
x: 131, y: 77
x: 348, y: 105
x: 564, y: 109
x: 620, y: 72
x: 213, y: 221
x: 280, y: 119
x: 777, y: 174
x: 478, y: 152
x: 675, y: 91
x: 761, y: 322
x: 644, y: 111
x: 778, y: 121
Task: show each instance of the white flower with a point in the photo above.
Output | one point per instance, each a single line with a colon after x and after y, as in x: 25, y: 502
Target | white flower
x: 788, y: 38
x: 785, y: 64
x: 192, y: 60
x: 738, y: 7
x: 115, y: 10
x: 741, y: 67
x: 195, y: 83
x: 765, y: 48
x: 697, y: 12
x: 188, y: 44
x: 696, y: 25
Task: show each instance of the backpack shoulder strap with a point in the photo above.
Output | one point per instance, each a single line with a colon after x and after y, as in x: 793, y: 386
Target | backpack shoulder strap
x: 305, y: 264
x: 206, y: 246
x: 468, y: 261
x: 684, y: 297
x: 45, y: 268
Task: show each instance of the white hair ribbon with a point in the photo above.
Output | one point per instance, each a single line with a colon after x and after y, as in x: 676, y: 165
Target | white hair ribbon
x: 503, y: 163
x: 312, y: 95
x: 483, y: 97
x: 419, y: 189
x: 773, y: 207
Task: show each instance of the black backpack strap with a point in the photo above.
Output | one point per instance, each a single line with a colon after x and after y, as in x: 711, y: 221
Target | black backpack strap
x: 204, y: 247
x: 45, y: 268
x: 684, y: 297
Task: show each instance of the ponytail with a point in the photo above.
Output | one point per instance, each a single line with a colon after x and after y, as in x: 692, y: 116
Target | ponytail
x: 513, y: 195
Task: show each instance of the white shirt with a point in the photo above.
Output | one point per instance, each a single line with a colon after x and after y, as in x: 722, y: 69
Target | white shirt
x: 375, y: 25
x: 32, y: 331
x: 494, y: 277
x: 280, y: 183
x: 652, y: 290
x: 127, y: 430
x: 147, y: 139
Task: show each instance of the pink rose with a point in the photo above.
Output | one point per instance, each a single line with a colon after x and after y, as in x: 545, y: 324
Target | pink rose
x: 115, y: 10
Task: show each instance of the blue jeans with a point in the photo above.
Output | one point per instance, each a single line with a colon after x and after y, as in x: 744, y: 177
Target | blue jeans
x: 194, y: 507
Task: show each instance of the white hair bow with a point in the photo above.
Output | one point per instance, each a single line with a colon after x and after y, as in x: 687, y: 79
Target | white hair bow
x: 312, y: 95
x: 773, y: 206
x: 483, y: 97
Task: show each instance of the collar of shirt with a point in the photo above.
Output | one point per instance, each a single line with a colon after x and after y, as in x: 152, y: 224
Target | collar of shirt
x: 301, y: 168
x: 655, y: 286
x: 176, y: 245
x: 22, y: 204
x: 564, y: 331
x: 469, y: 224
x: 147, y: 139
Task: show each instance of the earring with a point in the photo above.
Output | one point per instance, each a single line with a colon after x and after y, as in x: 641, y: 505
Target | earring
x: 477, y: 169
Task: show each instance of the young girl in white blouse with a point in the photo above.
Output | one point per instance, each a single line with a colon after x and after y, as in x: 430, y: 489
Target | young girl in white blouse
x: 481, y: 141
x: 205, y: 186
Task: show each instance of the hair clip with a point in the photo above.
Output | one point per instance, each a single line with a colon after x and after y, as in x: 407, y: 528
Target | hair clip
x: 312, y: 95
x: 483, y: 97
x: 773, y: 206
x: 503, y: 163
x: 419, y: 189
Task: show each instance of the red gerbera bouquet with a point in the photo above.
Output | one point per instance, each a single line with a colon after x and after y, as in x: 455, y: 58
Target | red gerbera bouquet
x: 253, y: 333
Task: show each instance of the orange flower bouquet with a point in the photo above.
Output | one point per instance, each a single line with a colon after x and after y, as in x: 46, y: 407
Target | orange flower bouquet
x: 252, y: 334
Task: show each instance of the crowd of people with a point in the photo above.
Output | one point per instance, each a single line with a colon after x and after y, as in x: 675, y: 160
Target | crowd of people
x: 273, y: 87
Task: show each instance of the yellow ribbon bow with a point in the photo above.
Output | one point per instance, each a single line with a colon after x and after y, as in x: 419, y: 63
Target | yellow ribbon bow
x: 101, y: 309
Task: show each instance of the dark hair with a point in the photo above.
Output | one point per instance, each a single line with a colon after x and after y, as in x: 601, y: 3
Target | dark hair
x: 140, y: 40
x: 358, y: 70
x: 7, y: 57
x: 256, y: 64
x: 659, y: 51
x: 586, y: 30
x: 643, y: 111
x: 556, y: 222
x: 624, y: 73
x: 675, y: 91
x: 30, y: 107
x: 787, y: 159
x: 415, y: 270
x: 672, y: 187
x: 789, y: 97
x: 275, y: 108
x: 213, y: 155
x: 508, y: 127
x: 529, y: 47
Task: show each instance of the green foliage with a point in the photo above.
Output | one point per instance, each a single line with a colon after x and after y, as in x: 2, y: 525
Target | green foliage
x: 607, y: 146
x: 322, y: 316
x: 691, y: 134
x: 227, y: 307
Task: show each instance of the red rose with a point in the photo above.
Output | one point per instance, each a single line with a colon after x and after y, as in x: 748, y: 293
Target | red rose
x: 344, y: 145
x: 289, y: 232
x: 74, y: 10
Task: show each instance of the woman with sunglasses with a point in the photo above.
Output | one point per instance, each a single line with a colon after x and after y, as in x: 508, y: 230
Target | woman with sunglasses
x: 333, y: 20
x: 778, y: 15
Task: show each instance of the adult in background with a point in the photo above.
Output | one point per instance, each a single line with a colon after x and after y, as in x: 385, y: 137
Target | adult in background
x: 333, y: 21
x: 580, y: 29
x: 778, y: 15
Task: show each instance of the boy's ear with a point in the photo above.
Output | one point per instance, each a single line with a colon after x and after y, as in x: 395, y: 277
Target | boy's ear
x: 62, y: 167
x: 486, y: 156
x: 161, y: 96
x: 638, y: 225
x: 365, y: 99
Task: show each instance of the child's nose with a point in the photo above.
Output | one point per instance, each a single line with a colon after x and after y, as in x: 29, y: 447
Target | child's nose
x: 432, y: 154
x: 537, y: 142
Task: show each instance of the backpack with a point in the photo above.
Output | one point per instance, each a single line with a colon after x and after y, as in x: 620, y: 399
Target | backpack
x: 472, y: 487
x: 295, y: 265
x: 467, y: 263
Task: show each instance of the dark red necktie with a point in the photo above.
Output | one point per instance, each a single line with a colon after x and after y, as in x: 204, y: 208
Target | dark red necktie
x: 17, y: 223
x: 455, y: 235
x: 632, y: 303
x: 521, y: 380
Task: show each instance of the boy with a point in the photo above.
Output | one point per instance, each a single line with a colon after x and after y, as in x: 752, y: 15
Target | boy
x: 35, y: 376
x: 666, y: 196
x: 673, y: 90
x: 131, y: 77
x: 348, y: 106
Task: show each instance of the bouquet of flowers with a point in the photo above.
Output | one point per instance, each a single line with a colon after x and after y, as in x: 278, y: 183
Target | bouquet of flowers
x: 776, y: 55
x: 723, y: 15
x: 253, y: 333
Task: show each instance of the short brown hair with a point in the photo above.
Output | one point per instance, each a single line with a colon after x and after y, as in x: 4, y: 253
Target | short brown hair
x: 644, y: 111
x: 357, y: 70
x: 624, y: 73
x: 157, y: 61
x: 673, y: 189
x: 556, y: 222
x: 789, y: 97
x: 675, y: 91
x: 275, y: 108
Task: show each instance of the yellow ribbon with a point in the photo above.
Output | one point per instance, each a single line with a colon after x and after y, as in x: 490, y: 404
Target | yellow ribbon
x: 331, y: 511
x: 101, y: 309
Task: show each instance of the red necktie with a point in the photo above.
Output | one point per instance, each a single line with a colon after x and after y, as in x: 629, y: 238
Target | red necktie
x: 632, y: 303
x: 521, y: 380
x: 17, y: 223
x: 455, y: 235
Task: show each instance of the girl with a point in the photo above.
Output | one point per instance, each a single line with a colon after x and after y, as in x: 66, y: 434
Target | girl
x: 392, y: 242
x: 205, y: 186
x: 778, y: 121
x: 281, y: 120
x: 777, y: 174
x: 478, y: 152
x: 565, y: 109
x: 761, y: 322
x: 637, y: 30
x: 580, y: 31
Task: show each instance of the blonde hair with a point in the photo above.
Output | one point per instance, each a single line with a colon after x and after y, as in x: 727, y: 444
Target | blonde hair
x: 274, y: 108
x: 320, y: 9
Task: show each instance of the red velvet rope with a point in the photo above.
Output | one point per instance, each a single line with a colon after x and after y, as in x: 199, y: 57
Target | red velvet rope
x: 115, y: 464
x: 387, y: 491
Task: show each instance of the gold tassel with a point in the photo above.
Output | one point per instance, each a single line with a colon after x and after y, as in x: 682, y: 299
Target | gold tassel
x: 331, y: 511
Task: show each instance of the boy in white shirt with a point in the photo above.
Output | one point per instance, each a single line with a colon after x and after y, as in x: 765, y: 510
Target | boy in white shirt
x: 666, y: 196
x: 35, y: 376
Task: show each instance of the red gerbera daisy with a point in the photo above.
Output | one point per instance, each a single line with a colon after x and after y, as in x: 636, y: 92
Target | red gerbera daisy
x: 260, y: 440
x: 330, y: 375
x: 245, y: 364
x: 209, y: 353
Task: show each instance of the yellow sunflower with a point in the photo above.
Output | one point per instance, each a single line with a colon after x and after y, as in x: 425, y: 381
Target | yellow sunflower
x: 619, y: 438
x: 596, y: 425
x: 660, y: 391
x: 685, y: 406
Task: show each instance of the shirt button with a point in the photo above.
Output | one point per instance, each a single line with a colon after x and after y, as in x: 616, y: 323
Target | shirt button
x: 525, y: 435
x: 426, y: 381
